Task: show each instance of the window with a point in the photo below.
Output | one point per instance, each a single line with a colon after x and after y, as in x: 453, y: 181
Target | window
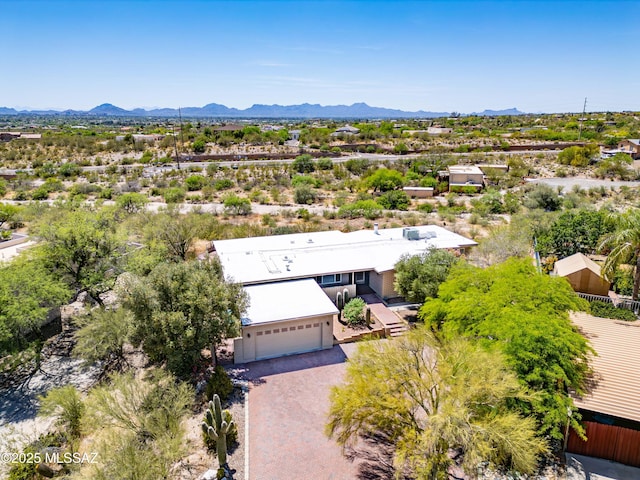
x: 329, y: 279
x: 359, y: 278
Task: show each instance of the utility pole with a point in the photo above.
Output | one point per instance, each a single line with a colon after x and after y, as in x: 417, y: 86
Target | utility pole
x: 584, y: 110
x: 175, y: 144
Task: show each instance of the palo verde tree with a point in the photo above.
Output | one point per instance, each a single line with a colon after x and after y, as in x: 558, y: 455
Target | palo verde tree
x: 511, y: 308
x: 82, y: 247
x: 428, y: 396
x: 28, y: 291
x: 384, y: 179
x: 181, y: 308
x: 137, y: 426
x: 623, y: 246
x: 101, y: 335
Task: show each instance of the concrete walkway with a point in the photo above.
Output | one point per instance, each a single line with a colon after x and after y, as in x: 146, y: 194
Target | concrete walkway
x: 580, y: 467
x: 393, y: 324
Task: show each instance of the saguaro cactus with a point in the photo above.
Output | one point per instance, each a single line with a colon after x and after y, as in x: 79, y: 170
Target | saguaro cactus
x: 339, y: 300
x: 217, y: 424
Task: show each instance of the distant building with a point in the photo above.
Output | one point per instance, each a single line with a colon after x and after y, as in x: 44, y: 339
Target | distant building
x: 141, y: 137
x: 419, y: 192
x: 630, y: 147
x: 295, y: 135
x: 465, y: 176
x: 439, y: 130
x: 227, y: 128
x: 8, y: 136
x: 346, y: 130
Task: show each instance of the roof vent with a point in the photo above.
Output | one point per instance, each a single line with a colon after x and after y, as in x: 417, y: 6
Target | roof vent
x: 310, y: 240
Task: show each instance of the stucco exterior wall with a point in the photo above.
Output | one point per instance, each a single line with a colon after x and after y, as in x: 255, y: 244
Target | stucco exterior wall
x: 245, y: 346
x: 382, y: 284
x: 331, y: 291
x: 463, y: 178
x: 585, y: 281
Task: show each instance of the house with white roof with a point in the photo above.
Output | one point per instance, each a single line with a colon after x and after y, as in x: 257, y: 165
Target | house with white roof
x: 293, y: 280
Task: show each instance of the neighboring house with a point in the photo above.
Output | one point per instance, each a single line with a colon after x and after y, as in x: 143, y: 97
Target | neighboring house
x: 583, y: 274
x: 346, y: 130
x: 8, y: 136
x: 465, y: 176
x: 294, y: 135
x: 430, y: 131
x: 142, y: 137
x: 611, y: 407
x: 330, y: 262
x: 630, y: 147
x: 439, y: 130
x: 227, y: 128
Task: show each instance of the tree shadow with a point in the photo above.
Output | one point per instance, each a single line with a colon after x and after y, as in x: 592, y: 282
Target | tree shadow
x: 374, y: 454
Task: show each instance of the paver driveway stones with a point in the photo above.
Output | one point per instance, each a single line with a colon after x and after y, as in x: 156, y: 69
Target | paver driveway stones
x: 288, y: 405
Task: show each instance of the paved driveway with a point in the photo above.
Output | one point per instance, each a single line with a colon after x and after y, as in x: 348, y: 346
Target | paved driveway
x: 288, y: 405
x: 580, y: 467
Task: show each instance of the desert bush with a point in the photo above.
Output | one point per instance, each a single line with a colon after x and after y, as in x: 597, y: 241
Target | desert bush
x: 219, y: 383
x: 607, y: 310
x: 354, y: 311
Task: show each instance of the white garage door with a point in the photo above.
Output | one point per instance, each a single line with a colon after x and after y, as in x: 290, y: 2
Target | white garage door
x: 284, y: 340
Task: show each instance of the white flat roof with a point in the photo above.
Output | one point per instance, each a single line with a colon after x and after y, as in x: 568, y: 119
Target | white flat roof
x: 304, y: 255
x: 465, y: 169
x: 280, y: 301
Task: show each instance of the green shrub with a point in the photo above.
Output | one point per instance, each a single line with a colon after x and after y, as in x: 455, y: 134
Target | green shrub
x: 623, y: 281
x: 368, y: 209
x: 40, y: 193
x: 174, y: 195
x: 235, y: 205
x: 303, y: 164
x: 195, y: 182
x: 324, y: 164
x: 354, y: 311
x: 223, y: 184
x: 425, y: 207
x: 394, y: 200
x: 304, y: 195
x: 219, y: 383
x: 27, y: 470
x: 607, y: 310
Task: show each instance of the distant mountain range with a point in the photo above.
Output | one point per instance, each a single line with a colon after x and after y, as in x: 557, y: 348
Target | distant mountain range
x: 306, y: 110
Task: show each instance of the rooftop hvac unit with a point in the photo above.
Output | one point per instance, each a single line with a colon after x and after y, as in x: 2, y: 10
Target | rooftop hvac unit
x: 411, y: 233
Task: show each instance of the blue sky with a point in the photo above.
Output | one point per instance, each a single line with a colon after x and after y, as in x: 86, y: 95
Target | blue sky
x: 460, y: 56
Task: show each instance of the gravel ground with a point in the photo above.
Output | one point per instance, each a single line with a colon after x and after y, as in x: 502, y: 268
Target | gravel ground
x: 586, y: 183
x: 199, y: 459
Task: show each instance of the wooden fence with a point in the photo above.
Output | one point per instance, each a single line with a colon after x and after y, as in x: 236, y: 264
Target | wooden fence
x: 610, y: 442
